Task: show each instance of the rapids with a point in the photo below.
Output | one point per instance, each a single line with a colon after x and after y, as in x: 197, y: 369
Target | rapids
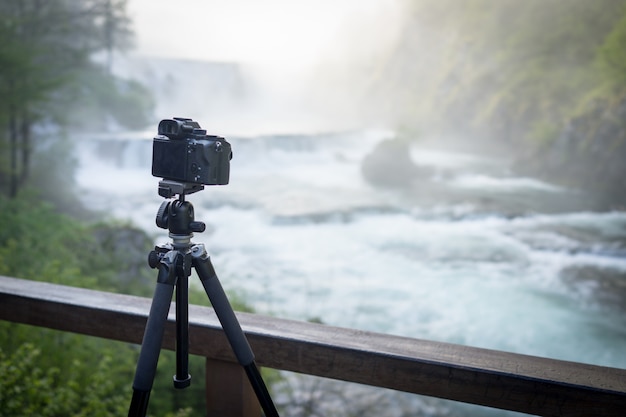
x: 470, y: 254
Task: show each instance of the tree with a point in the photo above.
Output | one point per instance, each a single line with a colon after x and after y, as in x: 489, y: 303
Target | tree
x: 612, y: 55
x: 500, y: 69
x: 44, y: 46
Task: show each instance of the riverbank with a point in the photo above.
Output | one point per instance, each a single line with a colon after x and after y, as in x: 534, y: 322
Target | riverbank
x: 589, y: 153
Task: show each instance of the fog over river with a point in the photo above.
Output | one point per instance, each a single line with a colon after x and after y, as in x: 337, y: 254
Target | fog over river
x: 468, y: 254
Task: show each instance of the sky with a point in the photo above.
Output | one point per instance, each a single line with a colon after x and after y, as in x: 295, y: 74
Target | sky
x: 293, y: 47
x: 281, y: 33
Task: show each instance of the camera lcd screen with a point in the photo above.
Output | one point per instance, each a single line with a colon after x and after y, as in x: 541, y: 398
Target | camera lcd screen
x: 169, y: 159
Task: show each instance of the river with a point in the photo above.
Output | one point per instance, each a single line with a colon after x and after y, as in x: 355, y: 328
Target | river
x: 470, y: 254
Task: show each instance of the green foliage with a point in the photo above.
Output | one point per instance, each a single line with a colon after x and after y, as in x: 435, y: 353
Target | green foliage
x: 48, y: 75
x: 132, y: 105
x: 40, y: 52
x: 544, y: 133
x: 165, y: 400
x: 68, y: 374
x: 544, y: 62
x: 502, y: 67
x: 52, y: 373
x: 37, y: 242
x: 52, y: 177
x: 518, y: 75
x: 29, y: 387
x: 104, y: 99
x: 612, y: 55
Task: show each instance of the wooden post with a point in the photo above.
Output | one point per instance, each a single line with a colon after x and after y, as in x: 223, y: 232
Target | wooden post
x: 228, y: 391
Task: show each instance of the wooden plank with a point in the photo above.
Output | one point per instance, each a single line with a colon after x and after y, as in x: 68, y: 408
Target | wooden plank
x: 480, y: 376
x: 228, y: 391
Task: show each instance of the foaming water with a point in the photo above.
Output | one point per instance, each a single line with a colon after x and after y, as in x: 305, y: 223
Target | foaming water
x: 510, y: 185
x: 467, y: 282
x: 301, y: 235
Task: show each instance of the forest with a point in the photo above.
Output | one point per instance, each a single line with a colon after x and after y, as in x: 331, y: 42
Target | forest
x: 545, y: 80
x: 55, y: 60
x: 55, y: 76
x: 542, y: 80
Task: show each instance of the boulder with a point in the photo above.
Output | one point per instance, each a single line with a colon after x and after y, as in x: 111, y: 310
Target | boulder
x: 389, y: 164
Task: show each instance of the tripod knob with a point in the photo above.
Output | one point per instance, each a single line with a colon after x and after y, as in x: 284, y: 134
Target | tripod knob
x: 197, y: 227
x: 163, y: 215
x: 153, y: 259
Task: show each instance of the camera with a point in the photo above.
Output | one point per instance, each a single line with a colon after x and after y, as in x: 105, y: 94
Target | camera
x: 183, y: 152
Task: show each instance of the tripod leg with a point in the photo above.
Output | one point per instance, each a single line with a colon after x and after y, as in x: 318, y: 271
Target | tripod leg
x: 152, y: 339
x: 230, y: 324
x: 182, y: 379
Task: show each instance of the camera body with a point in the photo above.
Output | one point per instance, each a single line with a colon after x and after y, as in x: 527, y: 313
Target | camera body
x: 183, y: 152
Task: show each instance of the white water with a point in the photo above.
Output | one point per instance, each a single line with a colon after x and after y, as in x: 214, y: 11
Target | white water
x: 469, y: 256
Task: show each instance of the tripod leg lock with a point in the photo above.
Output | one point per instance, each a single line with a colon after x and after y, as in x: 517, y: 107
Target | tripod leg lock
x: 167, y: 267
x: 198, y: 252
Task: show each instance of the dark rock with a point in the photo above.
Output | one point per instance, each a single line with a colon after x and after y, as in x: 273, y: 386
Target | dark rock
x: 389, y: 164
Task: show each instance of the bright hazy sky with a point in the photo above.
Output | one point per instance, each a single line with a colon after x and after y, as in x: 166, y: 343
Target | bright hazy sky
x: 277, y: 32
x: 290, y: 44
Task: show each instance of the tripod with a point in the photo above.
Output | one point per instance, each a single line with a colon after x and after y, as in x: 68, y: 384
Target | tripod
x: 174, y: 262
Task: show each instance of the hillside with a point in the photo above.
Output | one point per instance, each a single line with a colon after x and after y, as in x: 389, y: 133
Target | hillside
x: 543, y: 80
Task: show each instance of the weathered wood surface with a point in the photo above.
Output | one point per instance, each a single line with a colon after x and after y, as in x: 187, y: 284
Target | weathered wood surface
x: 496, y: 379
x: 228, y: 391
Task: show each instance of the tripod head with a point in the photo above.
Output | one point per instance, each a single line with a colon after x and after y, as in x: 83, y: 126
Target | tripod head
x: 177, y: 216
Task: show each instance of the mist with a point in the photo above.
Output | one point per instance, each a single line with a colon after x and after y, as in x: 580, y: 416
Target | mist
x: 263, y: 67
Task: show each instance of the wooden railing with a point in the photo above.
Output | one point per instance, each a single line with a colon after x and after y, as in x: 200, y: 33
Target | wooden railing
x: 491, y: 378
